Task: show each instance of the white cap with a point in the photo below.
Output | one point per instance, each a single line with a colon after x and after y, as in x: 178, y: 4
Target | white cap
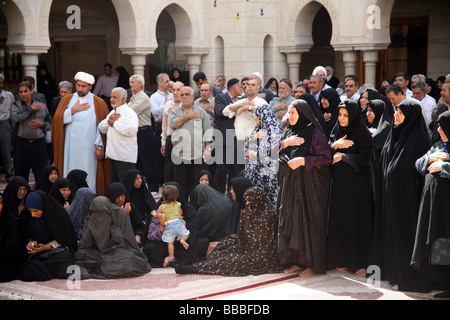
x: 86, y: 77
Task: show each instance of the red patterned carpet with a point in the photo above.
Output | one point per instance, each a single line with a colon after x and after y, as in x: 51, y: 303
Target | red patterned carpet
x: 165, y: 284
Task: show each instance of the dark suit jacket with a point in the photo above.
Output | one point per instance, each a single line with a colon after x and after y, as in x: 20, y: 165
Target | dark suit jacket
x: 222, y: 122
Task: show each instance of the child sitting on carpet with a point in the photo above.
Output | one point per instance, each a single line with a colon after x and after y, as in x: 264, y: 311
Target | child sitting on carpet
x: 175, y: 226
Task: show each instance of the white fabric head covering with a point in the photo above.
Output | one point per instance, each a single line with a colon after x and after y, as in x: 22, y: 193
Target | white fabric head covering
x: 86, y: 77
x: 318, y: 69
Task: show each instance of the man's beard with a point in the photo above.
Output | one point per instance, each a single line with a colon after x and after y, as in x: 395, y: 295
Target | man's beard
x: 82, y: 94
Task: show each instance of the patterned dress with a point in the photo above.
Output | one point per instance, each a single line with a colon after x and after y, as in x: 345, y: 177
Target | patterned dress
x: 253, y: 250
x: 262, y: 169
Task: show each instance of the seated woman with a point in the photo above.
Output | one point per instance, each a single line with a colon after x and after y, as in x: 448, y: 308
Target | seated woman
x: 78, y: 179
x: 108, y: 248
x: 238, y: 187
x: 47, y: 178
x: 79, y: 208
x: 139, y: 194
x: 213, y: 212
x: 117, y: 195
x: 62, y: 192
x: 203, y: 177
x: 12, y: 252
x: 156, y: 250
x: 253, y: 250
x: 48, y: 235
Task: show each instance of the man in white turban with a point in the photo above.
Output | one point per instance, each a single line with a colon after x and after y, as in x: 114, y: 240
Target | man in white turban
x: 78, y: 144
x: 321, y: 72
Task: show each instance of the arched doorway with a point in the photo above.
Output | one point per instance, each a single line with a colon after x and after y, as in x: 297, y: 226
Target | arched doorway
x: 321, y: 52
x: 10, y: 63
x: 169, y: 38
x: 88, y: 48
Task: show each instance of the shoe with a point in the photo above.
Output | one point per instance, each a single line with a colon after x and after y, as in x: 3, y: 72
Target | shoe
x: 443, y: 294
x: 184, y: 269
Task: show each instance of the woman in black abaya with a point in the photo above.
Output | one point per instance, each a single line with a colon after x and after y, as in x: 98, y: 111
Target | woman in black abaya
x: 433, y: 227
x: 401, y: 189
x: 12, y: 251
x: 139, y: 194
x: 329, y: 103
x: 351, y: 196
x: 303, y: 180
x: 48, y: 235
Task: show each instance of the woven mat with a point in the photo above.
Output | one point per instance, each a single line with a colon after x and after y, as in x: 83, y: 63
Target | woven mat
x: 165, y: 284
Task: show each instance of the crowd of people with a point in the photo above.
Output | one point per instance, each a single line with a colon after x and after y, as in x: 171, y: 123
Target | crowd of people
x: 255, y: 178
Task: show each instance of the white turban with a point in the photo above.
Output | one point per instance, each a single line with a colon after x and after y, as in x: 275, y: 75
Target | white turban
x: 86, y: 77
x: 317, y: 69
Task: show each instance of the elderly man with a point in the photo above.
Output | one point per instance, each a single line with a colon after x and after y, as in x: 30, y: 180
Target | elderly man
x: 120, y: 127
x: 30, y: 121
x: 191, y: 137
x: 6, y: 101
x: 315, y: 85
x: 351, y: 89
x: 65, y: 88
x: 206, y: 101
x: 140, y: 103
x: 281, y: 103
x: 77, y: 142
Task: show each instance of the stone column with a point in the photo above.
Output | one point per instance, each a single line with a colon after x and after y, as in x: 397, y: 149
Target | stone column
x: 293, y: 61
x: 29, y: 64
x: 349, y: 58
x: 138, y: 61
x: 370, y: 65
x: 194, y: 61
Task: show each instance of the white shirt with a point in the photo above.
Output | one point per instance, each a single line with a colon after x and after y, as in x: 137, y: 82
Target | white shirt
x: 355, y: 97
x: 105, y: 85
x: 428, y: 104
x: 122, y: 136
x: 245, y: 122
x: 5, y: 107
x: 158, y: 100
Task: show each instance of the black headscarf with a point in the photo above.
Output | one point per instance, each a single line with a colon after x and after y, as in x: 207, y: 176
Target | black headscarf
x: 115, y: 190
x: 77, y: 178
x: 239, y: 185
x: 43, y: 183
x: 142, y: 197
x: 124, y: 78
x: 334, y: 100
x: 56, y: 220
x: 56, y: 194
x: 377, y: 106
x: 354, y: 121
x: 309, y: 98
x: 444, y: 122
x: 304, y: 128
x: 212, y: 184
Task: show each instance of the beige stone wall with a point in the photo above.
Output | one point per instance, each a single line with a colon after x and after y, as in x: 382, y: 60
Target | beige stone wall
x: 212, y: 40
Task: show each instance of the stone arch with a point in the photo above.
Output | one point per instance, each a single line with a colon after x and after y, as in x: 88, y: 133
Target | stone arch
x: 16, y: 13
x: 131, y: 24
x: 186, y: 25
x: 302, y: 17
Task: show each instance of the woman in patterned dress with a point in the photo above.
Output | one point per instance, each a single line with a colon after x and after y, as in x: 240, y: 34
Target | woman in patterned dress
x: 260, y: 164
x: 252, y: 250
